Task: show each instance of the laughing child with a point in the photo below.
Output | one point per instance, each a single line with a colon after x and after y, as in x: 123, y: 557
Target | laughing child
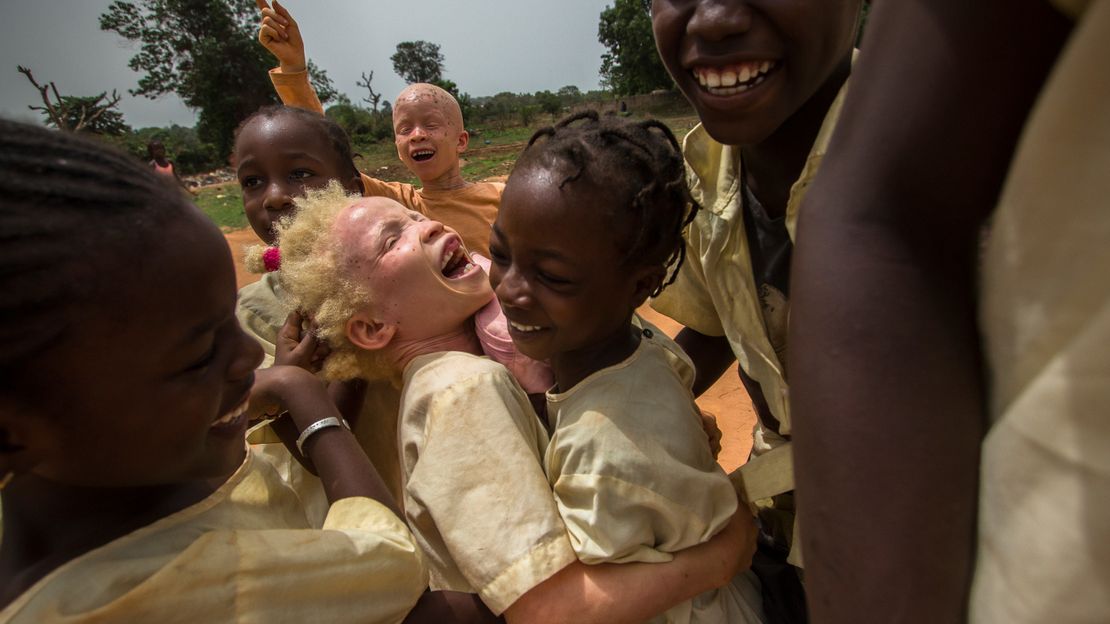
x: 428, y: 132
x: 590, y: 226
x: 129, y: 492
x: 766, y: 79
x: 394, y: 294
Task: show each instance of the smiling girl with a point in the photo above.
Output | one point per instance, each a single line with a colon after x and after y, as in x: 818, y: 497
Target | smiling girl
x: 395, y: 294
x: 124, y: 398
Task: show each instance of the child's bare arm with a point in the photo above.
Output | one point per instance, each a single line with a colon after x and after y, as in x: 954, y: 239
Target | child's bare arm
x: 886, y: 383
x: 634, y: 592
x: 280, y: 34
x: 711, y: 355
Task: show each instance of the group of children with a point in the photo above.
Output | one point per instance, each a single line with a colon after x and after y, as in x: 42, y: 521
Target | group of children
x: 442, y: 318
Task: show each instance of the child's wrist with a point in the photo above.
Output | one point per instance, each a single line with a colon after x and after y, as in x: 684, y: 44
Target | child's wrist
x: 293, y: 68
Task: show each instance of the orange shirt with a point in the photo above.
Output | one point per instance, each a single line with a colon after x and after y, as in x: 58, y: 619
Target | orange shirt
x: 469, y: 210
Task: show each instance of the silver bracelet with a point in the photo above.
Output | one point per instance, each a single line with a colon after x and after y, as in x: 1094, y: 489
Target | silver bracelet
x: 323, y: 423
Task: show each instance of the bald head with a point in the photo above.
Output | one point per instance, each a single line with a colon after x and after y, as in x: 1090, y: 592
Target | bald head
x: 423, y: 92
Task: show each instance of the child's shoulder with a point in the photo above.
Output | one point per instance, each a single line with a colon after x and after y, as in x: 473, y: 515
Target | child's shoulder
x: 436, y: 372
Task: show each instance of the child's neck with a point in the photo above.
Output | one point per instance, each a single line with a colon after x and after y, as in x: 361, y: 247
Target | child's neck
x: 47, y: 524
x: 463, y: 339
x: 571, y: 367
x: 774, y: 165
x: 450, y: 181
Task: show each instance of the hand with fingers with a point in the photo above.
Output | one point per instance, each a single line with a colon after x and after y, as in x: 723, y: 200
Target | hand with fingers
x: 712, y: 431
x: 280, y: 34
x: 299, y: 346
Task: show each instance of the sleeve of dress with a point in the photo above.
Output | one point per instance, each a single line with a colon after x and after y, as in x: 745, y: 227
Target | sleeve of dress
x: 687, y: 300
x: 294, y: 89
x: 363, y: 566
x: 479, y: 475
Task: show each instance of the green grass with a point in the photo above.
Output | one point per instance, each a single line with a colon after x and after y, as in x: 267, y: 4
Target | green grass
x: 492, y: 152
x: 223, y: 204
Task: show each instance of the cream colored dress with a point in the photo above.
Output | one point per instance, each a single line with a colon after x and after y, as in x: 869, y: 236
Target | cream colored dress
x: 475, y: 492
x: 633, y: 476
x: 247, y: 553
x: 1044, y: 512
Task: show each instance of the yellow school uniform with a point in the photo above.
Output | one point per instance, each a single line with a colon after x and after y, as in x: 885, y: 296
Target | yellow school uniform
x: 1044, y: 514
x: 475, y: 492
x: 633, y: 476
x: 247, y: 553
x: 715, y: 292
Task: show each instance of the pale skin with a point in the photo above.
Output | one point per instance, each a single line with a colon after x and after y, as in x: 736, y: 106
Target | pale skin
x: 579, y: 592
x: 424, y: 115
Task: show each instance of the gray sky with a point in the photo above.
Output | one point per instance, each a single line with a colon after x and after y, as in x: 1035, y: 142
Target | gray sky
x: 489, y: 45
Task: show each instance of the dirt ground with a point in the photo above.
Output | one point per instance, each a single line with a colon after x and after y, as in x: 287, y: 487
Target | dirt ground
x: 726, y: 399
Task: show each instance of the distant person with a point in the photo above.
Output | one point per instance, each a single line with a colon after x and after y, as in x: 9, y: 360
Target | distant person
x: 428, y: 132
x: 161, y: 165
x: 952, y: 320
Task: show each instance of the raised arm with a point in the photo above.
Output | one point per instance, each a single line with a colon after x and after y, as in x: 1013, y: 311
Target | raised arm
x: 280, y: 34
x: 887, y: 387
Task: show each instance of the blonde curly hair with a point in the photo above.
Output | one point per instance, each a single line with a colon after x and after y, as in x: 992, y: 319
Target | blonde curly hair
x: 316, y: 277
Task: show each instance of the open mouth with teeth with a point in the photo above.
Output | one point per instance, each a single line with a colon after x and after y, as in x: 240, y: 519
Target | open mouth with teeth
x: 732, y: 79
x: 455, y: 263
x: 422, y: 155
x: 524, y: 329
x: 231, y: 420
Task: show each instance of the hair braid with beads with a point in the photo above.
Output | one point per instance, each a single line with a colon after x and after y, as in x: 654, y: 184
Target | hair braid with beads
x: 73, y: 214
x: 640, y: 165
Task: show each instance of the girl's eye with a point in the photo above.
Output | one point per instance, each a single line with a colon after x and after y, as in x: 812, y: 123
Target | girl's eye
x: 553, y: 280
x: 497, y: 256
x: 301, y: 174
x: 390, y: 243
x: 250, y: 182
x: 204, y: 361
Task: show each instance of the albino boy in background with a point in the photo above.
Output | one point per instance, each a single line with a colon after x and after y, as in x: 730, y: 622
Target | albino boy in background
x: 428, y: 131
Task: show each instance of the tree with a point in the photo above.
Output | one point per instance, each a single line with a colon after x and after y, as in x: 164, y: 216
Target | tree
x: 418, y: 61
x: 205, y: 52
x: 631, y: 65
x: 549, y: 103
x: 374, y: 97
x: 74, y: 113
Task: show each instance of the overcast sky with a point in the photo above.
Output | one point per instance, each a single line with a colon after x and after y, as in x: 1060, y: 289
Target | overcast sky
x: 489, y: 45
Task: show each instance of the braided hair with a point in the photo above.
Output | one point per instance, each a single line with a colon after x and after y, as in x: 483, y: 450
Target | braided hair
x: 72, y: 212
x: 334, y: 133
x: 639, y: 164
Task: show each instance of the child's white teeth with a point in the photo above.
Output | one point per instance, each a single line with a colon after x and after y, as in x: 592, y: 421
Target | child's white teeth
x: 524, y: 328
x: 733, y: 78
x: 728, y: 78
x: 745, y: 74
x: 232, y: 415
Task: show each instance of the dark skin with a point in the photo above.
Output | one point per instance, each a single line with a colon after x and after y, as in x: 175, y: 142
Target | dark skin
x: 775, y: 123
x: 887, y: 387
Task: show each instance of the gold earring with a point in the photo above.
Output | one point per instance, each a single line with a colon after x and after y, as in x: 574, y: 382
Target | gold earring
x: 6, y: 480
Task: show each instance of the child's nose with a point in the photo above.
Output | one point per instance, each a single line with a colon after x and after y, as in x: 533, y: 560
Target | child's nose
x: 430, y: 229
x: 512, y: 289
x: 247, y: 358
x: 714, y: 20
x: 277, y: 198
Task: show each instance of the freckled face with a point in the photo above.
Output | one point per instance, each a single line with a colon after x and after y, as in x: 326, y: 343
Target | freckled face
x: 748, y: 65
x: 428, y: 137
x: 420, y: 276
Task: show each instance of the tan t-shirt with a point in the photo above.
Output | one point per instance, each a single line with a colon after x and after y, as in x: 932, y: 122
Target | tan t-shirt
x: 469, y: 210
x: 247, y: 553
x: 475, y: 493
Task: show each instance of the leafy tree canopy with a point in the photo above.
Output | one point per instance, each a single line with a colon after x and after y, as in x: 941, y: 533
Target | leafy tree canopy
x: 205, y: 52
x: 631, y: 65
x: 418, y: 61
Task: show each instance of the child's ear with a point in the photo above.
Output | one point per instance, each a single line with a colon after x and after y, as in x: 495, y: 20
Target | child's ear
x: 646, y: 280
x: 464, y: 141
x: 366, y: 333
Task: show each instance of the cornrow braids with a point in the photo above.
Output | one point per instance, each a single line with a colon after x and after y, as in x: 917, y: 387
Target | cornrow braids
x: 72, y: 212
x: 335, y: 134
x: 640, y: 165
